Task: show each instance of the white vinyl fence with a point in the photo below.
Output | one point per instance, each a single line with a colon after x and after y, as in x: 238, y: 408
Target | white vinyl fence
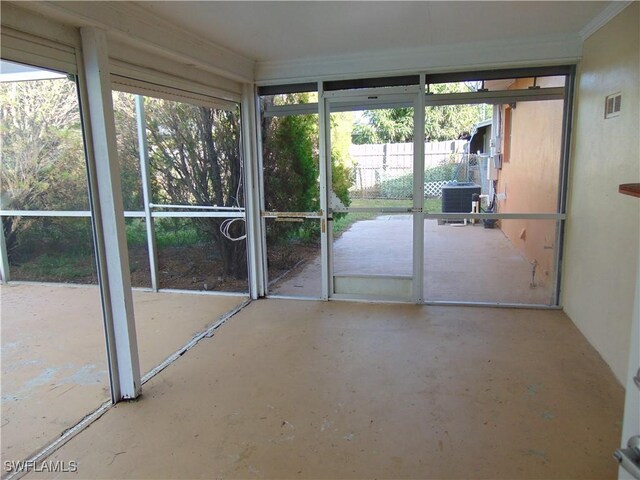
x: 386, y: 170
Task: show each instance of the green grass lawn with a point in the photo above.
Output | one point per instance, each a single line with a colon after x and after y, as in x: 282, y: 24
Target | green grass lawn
x: 342, y: 222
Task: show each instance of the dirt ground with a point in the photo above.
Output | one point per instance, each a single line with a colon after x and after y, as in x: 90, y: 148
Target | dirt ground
x: 289, y: 260
x: 182, y: 268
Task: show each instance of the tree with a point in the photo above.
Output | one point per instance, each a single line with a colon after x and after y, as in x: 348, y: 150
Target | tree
x: 128, y: 154
x: 43, y: 165
x: 395, y: 125
x: 341, y: 162
x: 194, y: 155
x: 290, y: 168
x: 290, y: 159
x: 391, y: 125
x: 291, y: 162
x: 452, y: 122
x: 195, y: 159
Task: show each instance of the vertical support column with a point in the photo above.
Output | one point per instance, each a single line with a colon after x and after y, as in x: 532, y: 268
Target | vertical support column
x: 563, y: 184
x: 143, y: 153
x: 253, y: 208
x: 4, y: 256
x: 324, y: 135
x: 260, y: 191
x: 418, y: 193
x: 106, y: 199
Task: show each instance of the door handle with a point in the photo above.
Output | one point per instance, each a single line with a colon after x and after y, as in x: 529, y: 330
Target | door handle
x: 301, y: 215
x: 629, y: 458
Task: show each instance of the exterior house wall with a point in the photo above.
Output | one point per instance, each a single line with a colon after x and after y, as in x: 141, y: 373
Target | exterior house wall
x: 602, y: 239
x: 530, y: 174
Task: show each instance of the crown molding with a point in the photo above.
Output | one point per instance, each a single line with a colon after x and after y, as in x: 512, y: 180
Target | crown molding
x: 604, y: 17
x: 546, y: 50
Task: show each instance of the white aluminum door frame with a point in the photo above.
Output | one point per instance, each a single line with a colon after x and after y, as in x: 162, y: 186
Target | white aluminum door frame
x: 321, y: 215
x: 498, y: 98
x: 394, y: 97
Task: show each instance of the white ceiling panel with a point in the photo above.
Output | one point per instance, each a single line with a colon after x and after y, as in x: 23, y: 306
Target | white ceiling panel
x: 276, y: 31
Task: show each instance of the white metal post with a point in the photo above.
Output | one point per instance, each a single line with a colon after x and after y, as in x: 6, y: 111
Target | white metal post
x: 253, y: 219
x: 260, y: 192
x: 122, y: 346
x: 4, y: 257
x: 324, y: 135
x: 418, y: 192
x: 143, y: 153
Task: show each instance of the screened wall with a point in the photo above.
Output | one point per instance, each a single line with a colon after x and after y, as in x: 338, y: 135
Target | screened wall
x: 180, y: 183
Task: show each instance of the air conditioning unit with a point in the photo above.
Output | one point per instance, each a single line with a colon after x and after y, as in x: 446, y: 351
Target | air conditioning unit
x: 456, y: 196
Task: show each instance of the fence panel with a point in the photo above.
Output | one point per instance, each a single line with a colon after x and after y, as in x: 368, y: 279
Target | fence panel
x: 385, y: 171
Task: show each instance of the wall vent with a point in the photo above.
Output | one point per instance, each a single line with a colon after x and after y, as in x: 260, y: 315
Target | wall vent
x: 612, y: 105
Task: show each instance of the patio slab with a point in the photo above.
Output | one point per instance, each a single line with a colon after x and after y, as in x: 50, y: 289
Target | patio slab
x: 461, y: 263
x: 54, y: 367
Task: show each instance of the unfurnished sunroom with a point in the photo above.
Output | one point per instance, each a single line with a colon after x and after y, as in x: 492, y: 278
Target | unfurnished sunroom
x: 185, y: 186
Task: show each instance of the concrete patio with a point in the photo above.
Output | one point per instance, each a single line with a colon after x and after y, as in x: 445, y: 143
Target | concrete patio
x: 54, y: 365
x: 461, y: 263
x: 342, y: 390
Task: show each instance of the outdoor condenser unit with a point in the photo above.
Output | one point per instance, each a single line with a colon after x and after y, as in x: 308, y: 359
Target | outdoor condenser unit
x: 456, y: 196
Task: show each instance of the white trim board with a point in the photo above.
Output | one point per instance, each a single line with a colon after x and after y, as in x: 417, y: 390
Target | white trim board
x: 134, y: 25
x: 548, y: 50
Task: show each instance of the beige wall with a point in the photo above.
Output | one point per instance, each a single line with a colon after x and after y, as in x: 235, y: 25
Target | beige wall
x: 602, y: 240
x: 530, y: 178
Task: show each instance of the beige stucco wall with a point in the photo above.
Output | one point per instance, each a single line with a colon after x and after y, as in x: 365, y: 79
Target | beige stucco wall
x: 530, y: 178
x: 602, y: 240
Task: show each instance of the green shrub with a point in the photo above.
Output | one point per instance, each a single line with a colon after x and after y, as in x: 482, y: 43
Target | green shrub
x: 175, y: 232
x: 399, y: 187
x: 136, y: 231
x: 444, y: 172
x: 402, y: 187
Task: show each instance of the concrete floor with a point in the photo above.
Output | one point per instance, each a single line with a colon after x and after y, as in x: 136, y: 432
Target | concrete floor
x: 461, y: 263
x: 295, y: 389
x: 54, y: 368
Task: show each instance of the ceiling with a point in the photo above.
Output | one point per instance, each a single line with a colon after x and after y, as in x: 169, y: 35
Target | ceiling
x: 275, y: 31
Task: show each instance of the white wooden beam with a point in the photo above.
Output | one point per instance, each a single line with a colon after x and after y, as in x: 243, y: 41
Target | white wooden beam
x: 134, y: 25
x: 20, y: 18
x: 106, y: 195
x: 548, y: 50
